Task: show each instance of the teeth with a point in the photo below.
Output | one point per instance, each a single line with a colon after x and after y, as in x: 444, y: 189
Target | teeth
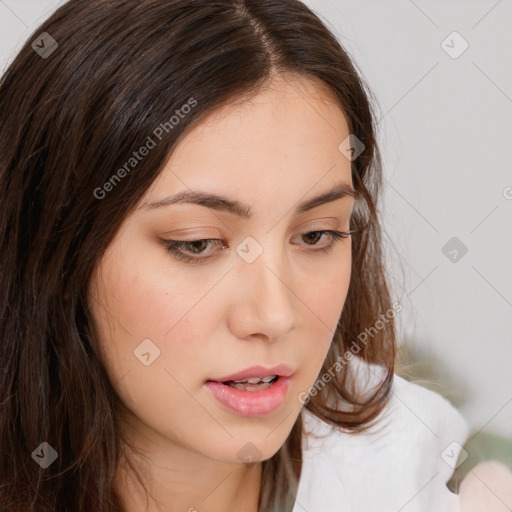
x: 256, y: 380
x: 245, y: 386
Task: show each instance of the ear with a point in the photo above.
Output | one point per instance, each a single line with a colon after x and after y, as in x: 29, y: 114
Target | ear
x: 487, y: 487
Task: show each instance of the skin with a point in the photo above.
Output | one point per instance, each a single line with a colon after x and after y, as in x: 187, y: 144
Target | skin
x: 214, y: 318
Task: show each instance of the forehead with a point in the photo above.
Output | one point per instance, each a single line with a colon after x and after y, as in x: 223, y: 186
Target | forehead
x: 293, y: 109
x: 286, y: 136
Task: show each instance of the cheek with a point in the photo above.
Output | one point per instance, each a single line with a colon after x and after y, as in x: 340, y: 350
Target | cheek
x: 143, y: 299
x: 326, y: 291
x: 326, y: 296
x: 142, y: 294
x: 142, y: 307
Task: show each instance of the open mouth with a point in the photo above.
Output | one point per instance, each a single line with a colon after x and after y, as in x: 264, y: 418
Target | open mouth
x: 251, y: 396
x: 252, y: 384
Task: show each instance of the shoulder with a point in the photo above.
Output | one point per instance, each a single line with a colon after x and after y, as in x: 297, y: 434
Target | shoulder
x: 413, y: 413
x: 404, y: 461
x: 426, y: 414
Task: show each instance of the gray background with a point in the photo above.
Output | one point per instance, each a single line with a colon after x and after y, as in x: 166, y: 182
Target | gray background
x: 445, y: 132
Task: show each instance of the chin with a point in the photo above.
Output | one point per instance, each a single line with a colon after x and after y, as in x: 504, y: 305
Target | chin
x: 251, y: 450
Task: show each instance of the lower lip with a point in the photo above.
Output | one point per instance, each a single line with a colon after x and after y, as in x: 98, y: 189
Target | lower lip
x: 251, y: 403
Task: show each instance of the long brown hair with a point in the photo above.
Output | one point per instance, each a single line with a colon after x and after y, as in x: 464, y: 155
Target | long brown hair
x: 72, y: 112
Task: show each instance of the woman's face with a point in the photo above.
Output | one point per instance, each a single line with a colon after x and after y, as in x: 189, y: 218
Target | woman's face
x: 263, y: 293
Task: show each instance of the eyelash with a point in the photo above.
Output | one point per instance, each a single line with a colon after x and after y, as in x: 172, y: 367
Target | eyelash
x: 175, y: 247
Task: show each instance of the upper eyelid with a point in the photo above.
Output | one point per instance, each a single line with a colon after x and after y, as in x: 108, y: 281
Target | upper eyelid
x: 325, y: 231
x: 211, y: 234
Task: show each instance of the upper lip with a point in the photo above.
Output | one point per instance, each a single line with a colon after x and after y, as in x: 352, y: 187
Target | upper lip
x: 253, y: 372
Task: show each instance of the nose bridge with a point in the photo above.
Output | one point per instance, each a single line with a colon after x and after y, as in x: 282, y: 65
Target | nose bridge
x: 268, y: 270
x: 264, y: 284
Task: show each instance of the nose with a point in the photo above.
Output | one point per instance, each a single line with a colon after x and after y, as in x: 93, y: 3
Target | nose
x: 265, y: 298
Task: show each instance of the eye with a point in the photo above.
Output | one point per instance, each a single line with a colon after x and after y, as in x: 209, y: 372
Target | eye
x: 192, y: 251
x: 178, y: 248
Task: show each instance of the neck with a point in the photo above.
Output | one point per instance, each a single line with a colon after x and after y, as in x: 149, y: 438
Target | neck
x: 168, y: 477
x: 214, y: 487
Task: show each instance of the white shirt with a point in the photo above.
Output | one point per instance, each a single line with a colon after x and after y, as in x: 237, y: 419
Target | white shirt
x: 402, y: 467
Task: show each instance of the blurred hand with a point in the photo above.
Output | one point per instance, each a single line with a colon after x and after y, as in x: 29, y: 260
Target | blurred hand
x: 487, y: 488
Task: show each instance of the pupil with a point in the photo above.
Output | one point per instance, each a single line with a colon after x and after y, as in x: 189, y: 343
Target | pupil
x: 197, y: 242
x: 312, y: 236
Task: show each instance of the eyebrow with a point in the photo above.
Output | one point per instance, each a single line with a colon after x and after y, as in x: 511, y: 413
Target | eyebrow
x: 223, y: 203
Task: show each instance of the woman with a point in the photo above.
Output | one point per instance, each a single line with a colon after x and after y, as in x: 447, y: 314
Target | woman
x: 193, y: 284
